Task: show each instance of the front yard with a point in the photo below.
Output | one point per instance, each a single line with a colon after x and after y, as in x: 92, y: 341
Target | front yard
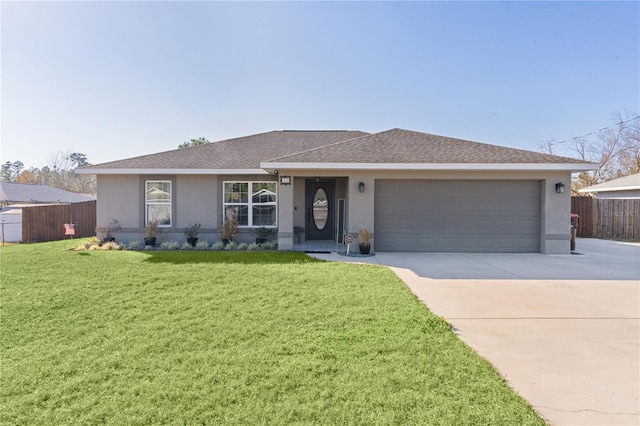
x: 117, y: 337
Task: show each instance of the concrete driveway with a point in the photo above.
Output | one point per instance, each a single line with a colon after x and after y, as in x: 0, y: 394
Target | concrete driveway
x: 564, y: 331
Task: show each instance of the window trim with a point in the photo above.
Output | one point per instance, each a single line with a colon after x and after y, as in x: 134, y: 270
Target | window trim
x: 250, y: 204
x: 147, y: 203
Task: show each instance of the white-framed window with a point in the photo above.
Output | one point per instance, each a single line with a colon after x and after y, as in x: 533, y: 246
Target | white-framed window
x: 255, y: 204
x: 158, y: 202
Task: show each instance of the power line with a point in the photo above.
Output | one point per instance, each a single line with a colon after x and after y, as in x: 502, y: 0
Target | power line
x: 595, y: 131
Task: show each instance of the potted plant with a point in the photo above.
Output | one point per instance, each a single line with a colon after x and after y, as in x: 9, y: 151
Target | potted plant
x: 229, y: 228
x: 109, y: 230
x: 191, y: 232
x: 263, y: 234
x: 150, y: 232
x: 364, y: 240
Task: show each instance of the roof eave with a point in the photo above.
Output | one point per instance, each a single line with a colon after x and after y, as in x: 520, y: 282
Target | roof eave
x: 108, y: 171
x: 571, y: 167
x: 612, y: 189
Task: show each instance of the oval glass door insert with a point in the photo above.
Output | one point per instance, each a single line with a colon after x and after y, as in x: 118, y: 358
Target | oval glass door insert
x: 320, y: 209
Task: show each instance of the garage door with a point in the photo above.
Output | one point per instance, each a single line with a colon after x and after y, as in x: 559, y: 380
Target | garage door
x: 457, y: 216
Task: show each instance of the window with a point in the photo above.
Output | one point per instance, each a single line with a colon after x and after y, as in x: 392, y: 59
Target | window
x: 158, y: 202
x: 253, y: 203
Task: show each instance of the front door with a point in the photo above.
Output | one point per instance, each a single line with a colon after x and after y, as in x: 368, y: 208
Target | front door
x: 320, y: 209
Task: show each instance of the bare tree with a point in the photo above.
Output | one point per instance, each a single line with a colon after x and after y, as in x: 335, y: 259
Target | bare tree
x: 616, y: 150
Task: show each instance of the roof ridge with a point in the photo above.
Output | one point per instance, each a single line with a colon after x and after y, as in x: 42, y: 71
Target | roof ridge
x: 315, y: 131
x: 324, y: 146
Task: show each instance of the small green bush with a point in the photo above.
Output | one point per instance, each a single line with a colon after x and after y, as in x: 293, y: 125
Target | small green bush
x: 134, y: 245
x: 202, y: 245
x: 170, y: 245
x: 242, y: 247
x: 218, y: 246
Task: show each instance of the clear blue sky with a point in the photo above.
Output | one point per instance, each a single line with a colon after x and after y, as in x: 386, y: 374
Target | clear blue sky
x: 120, y: 79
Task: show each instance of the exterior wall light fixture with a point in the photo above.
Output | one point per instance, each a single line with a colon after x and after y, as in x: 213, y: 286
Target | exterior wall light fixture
x: 560, y: 187
x: 361, y: 187
x: 285, y: 180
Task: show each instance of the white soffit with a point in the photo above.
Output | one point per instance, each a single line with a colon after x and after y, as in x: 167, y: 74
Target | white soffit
x: 98, y: 171
x: 573, y: 167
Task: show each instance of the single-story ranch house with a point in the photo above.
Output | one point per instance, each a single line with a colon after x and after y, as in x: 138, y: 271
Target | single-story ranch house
x: 413, y: 191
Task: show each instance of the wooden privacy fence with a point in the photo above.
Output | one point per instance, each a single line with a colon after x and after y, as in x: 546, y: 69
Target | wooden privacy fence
x: 611, y: 218
x: 46, y: 223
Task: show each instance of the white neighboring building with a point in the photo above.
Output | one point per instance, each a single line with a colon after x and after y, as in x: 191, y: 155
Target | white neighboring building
x: 627, y: 187
x: 11, y: 224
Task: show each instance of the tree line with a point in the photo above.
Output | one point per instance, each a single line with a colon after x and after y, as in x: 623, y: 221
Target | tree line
x: 58, y: 173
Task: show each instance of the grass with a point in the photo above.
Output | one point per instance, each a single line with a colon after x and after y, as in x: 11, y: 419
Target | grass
x: 230, y: 338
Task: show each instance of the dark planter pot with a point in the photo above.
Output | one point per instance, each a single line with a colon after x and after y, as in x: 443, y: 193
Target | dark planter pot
x: 365, y: 248
x: 225, y: 241
x: 261, y: 240
x: 109, y: 240
x: 192, y: 241
x: 150, y: 241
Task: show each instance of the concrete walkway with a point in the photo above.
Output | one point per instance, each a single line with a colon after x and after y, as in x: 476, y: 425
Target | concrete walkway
x: 564, y: 331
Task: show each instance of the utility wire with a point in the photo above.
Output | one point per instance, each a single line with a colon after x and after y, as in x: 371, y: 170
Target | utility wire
x: 595, y: 131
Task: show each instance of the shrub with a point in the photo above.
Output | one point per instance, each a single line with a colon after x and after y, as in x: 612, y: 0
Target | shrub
x: 134, y: 245
x: 270, y: 245
x: 110, y: 229
x: 218, y: 246
x: 185, y: 246
x: 151, y: 229
x: 170, y: 245
x: 148, y: 247
x: 202, y: 245
x: 242, y: 246
x: 229, y: 226
x: 192, y: 231
x: 112, y: 245
x: 89, y: 244
x: 364, y: 237
x: 231, y: 246
x: 253, y: 247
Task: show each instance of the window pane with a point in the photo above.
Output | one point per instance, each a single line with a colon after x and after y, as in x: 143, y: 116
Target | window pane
x: 160, y: 213
x: 264, y: 215
x: 241, y: 213
x: 159, y: 191
x: 236, y: 192
x: 264, y: 192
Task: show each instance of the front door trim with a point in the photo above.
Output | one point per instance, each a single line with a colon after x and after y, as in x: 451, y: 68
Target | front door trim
x: 320, y: 212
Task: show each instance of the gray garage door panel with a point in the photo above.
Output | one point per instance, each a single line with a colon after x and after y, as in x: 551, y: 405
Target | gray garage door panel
x: 457, y: 216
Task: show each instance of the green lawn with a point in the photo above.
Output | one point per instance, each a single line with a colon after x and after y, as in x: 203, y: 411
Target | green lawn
x: 228, y: 338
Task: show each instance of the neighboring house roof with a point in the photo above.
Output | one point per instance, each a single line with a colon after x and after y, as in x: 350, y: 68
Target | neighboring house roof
x: 627, y: 183
x: 391, y: 149
x: 27, y: 193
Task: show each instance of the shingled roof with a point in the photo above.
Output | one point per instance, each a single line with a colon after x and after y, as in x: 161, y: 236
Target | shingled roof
x: 266, y: 151
x: 403, y: 146
x: 626, y: 183
x: 238, y: 153
x: 12, y: 193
